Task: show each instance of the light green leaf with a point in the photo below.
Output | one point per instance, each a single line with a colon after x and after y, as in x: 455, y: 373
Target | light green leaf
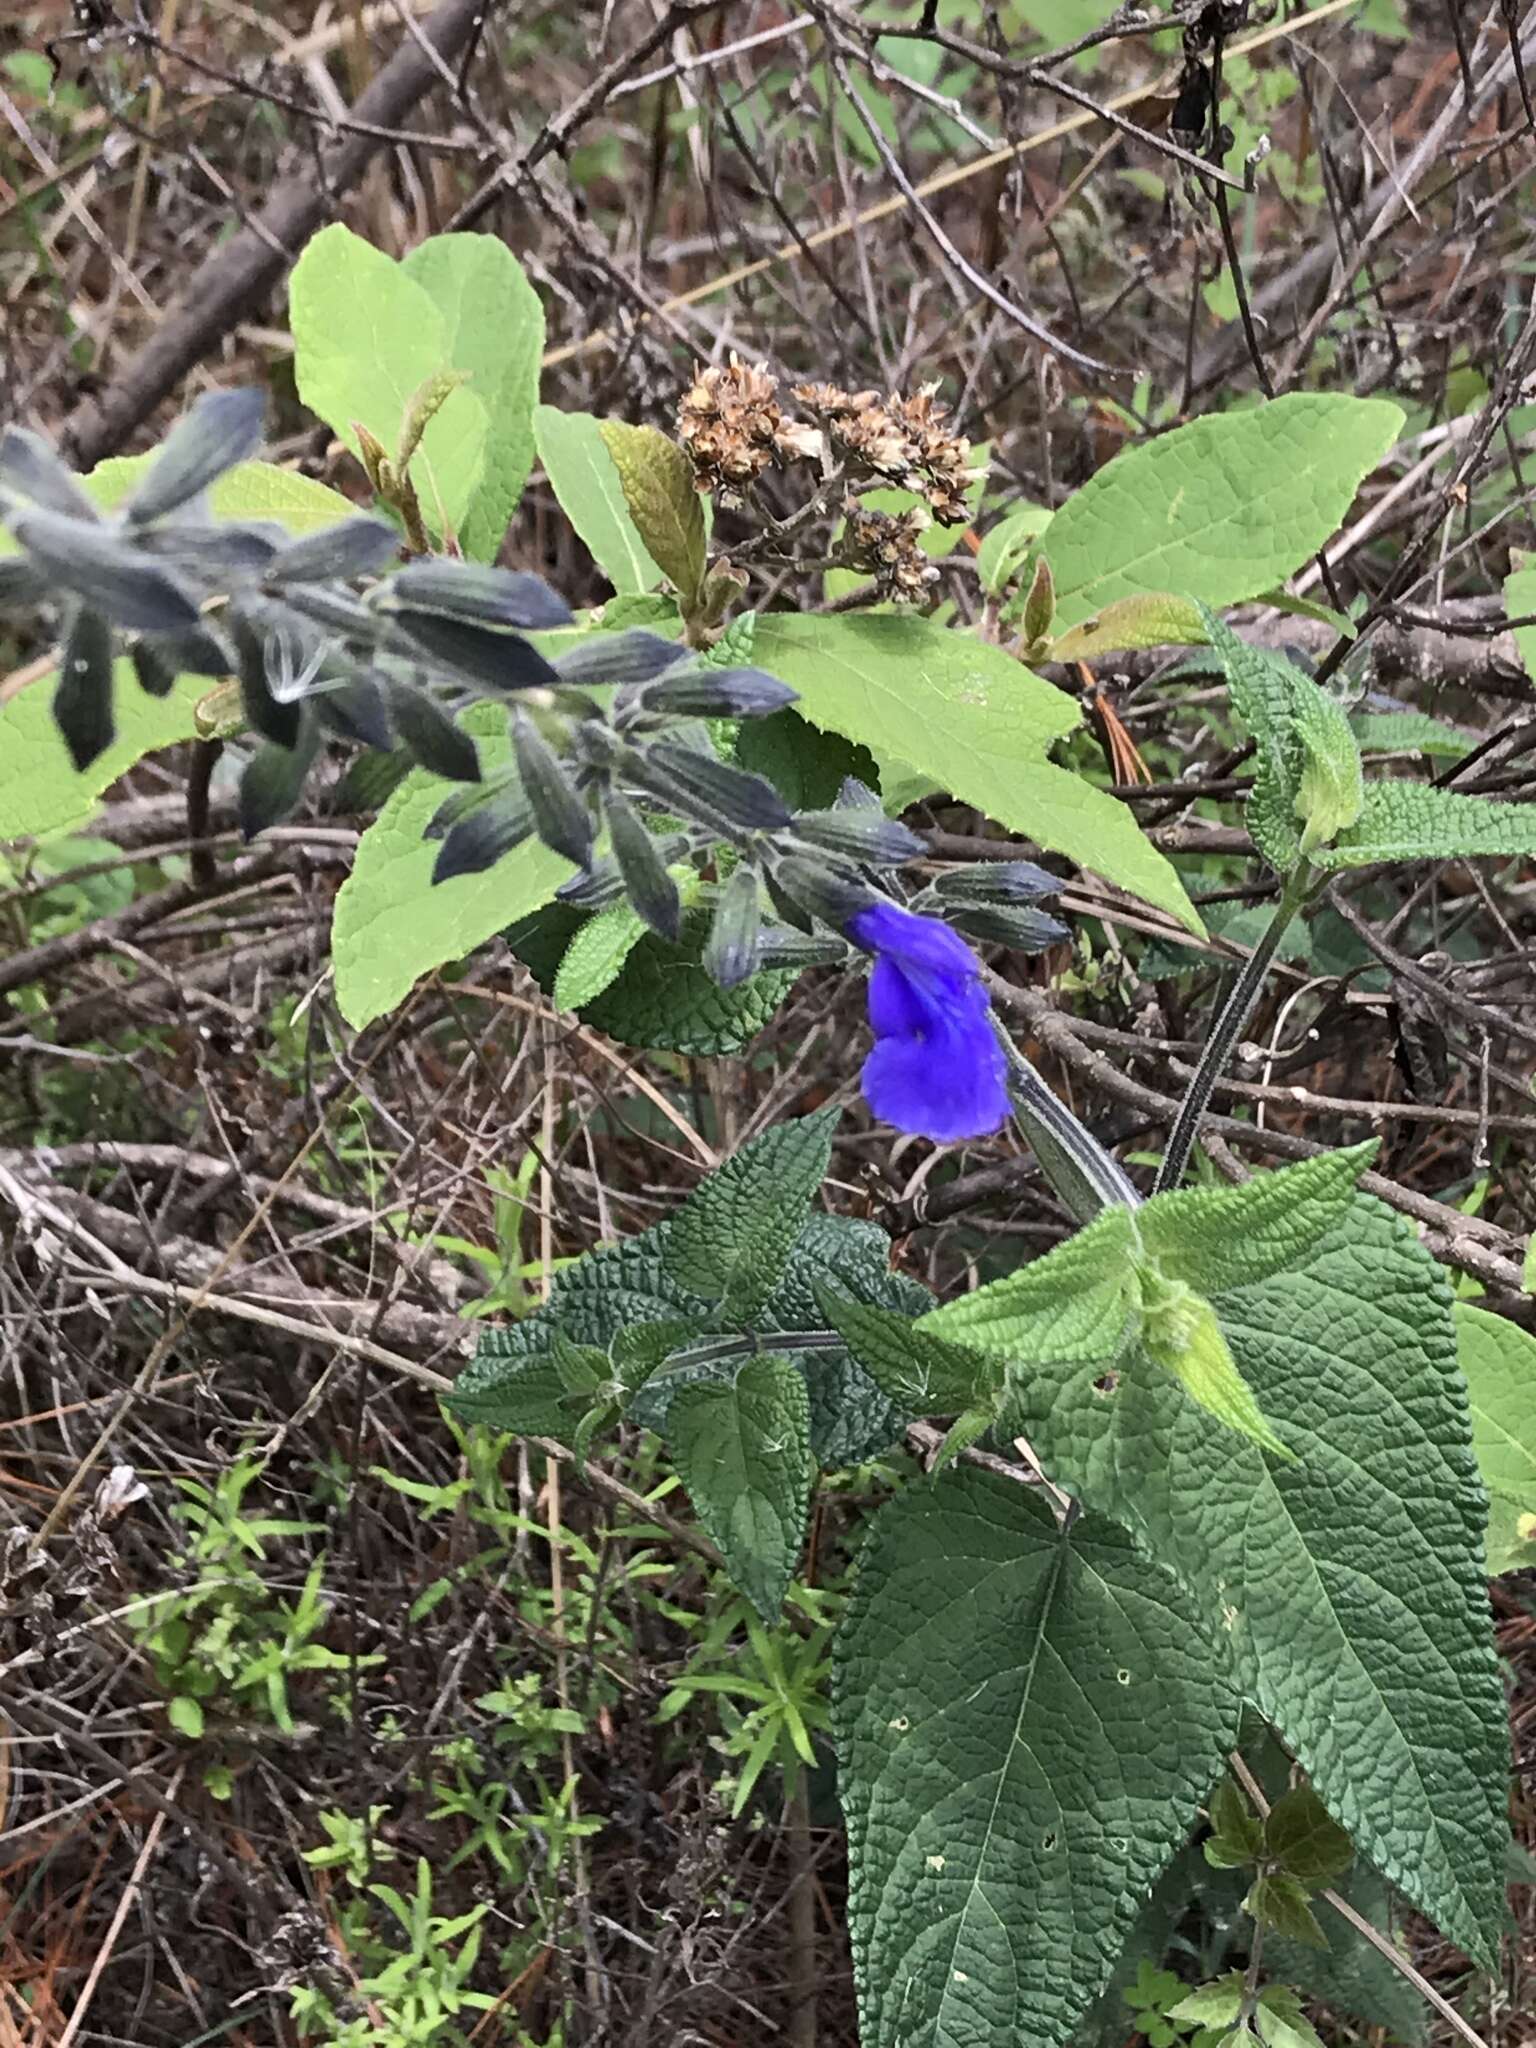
x: 1267, y: 694
x: 1005, y: 547
x: 584, y: 478
x: 1332, y: 791
x: 1345, y: 1591
x: 1221, y: 509
x: 1000, y: 1836
x: 1181, y: 1334
x: 1412, y: 821
x: 1499, y: 1361
x: 596, y: 954
x: 1405, y: 732
x: 1212, y: 2005
x: 367, y: 336
x: 185, y: 1715
x: 975, y: 720
x: 1280, y: 2021
x: 1218, y: 1238
x: 392, y: 924
x: 731, y: 1239
x: 40, y: 788
x: 1072, y: 1304
x: 657, y: 480
x: 743, y: 1451
x: 494, y: 322
x: 1158, y: 620
x: 1520, y: 603
x: 915, y: 1369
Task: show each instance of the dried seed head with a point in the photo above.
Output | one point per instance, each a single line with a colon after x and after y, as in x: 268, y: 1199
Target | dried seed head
x: 732, y: 428
x: 886, y: 547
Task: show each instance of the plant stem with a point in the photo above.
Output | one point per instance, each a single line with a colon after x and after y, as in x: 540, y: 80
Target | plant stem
x: 1235, y: 1013
x: 1074, y: 1162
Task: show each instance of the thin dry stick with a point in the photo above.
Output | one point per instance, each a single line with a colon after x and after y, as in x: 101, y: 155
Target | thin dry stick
x: 941, y: 181
x: 1363, y: 1927
x: 124, y: 1908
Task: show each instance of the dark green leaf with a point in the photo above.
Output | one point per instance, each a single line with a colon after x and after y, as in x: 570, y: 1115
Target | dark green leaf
x: 730, y: 1242
x: 1302, y: 1836
x: 743, y: 1451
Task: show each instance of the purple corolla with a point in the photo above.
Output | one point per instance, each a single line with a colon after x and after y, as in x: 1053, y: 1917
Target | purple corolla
x: 937, y: 1068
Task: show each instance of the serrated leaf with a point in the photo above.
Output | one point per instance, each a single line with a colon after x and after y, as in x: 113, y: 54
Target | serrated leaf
x: 626, y: 1286
x: 493, y: 322
x: 1218, y: 510
x: 1346, y: 1590
x: 1266, y: 692
x: 1404, y: 732
x: 1222, y: 1237
x: 367, y: 336
x: 1331, y: 794
x: 1212, y: 2005
x: 743, y: 1451
x: 1237, y: 1829
x: 585, y: 478
x: 976, y: 722
x: 657, y: 480
x: 391, y: 923
x: 1412, y: 821
x: 730, y: 1241
x: 1498, y: 1359
x: 1071, y: 1304
x: 915, y: 1369
x: 999, y: 1837
x: 1305, y: 1839
x: 1350, y: 1976
x: 595, y: 957
x: 530, y: 1398
x: 1154, y: 620
x: 1182, y: 1335
x: 1280, y: 2021
x: 1279, y: 1902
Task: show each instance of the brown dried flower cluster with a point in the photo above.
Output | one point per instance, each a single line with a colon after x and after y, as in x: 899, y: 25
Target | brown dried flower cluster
x: 731, y: 426
x: 887, y: 548
x: 899, y: 440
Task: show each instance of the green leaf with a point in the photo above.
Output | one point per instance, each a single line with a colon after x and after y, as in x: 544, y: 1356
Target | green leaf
x: 657, y: 480
x: 1332, y: 791
x: 494, y: 323
x: 1180, y: 1333
x: 1237, y: 1832
x: 1404, y: 732
x: 1221, y: 509
x: 1281, y: 1903
x: 185, y: 1715
x: 975, y: 720
x: 1412, y: 821
x: 1280, y: 2021
x: 1346, y: 1590
x: 40, y: 789
x: 1349, y: 1975
x: 1303, y: 1837
x: 367, y: 337
x: 1000, y: 1837
x: 1006, y: 547
x: 1212, y: 2005
x: 805, y: 766
x: 1072, y: 1304
x: 595, y: 957
x: 1267, y: 694
x: 1222, y: 1237
x: 1499, y: 1361
x: 1520, y: 603
x: 392, y: 924
x: 531, y: 1398
x: 585, y: 479
x: 1159, y: 620
x: 730, y: 1241
x: 743, y: 1451
x: 915, y: 1369
x: 612, y: 1292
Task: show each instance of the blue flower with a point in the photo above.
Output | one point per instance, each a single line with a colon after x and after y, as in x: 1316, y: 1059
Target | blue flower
x: 937, y: 1069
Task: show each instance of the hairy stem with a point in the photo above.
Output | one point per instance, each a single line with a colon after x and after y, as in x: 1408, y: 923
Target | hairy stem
x: 1074, y: 1162
x: 1235, y: 1013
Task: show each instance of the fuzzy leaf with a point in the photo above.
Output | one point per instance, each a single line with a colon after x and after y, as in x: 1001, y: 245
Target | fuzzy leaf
x: 731, y: 1240
x: 657, y: 480
x: 1000, y: 1836
x: 1221, y: 509
x: 1412, y: 821
x: 974, y: 721
x: 913, y: 1368
x: 596, y: 955
x: 743, y: 1451
x: 1219, y: 1238
x: 1499, y: 1361
x: 1345, y: 1591
x: 585, y: 478
x: 1070, y: 1304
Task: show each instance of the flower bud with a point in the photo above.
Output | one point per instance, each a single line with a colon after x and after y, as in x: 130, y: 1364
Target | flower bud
x: 110, y: 574
x: 433, y: 738
x: 478, y: 840
x: 475, y: 592
x: 82, y: 698
x: 730, y: 951
x: 1002, y: 881
x: 750, y: 802
x: 646, y: 881
x: 830, y: 892
x: 718, y: 693
x: 488, y: 656
x: 633, y: 656
x: 560, y: 811
x: 223, y: 428
x: 859, y: 834
x: 780, y: 947
x: 352, y: 547
x: 1027, y: 931
x: 29, y: 467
